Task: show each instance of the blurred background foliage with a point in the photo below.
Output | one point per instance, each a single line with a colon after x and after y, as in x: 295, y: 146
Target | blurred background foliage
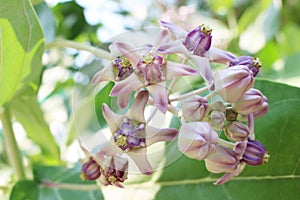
x: 268, y: 29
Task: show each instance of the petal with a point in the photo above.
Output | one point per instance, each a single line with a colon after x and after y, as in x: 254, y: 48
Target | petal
x: 123, y: 100
x: 114, y: 51
x: 162, y: 38
x: 204, y: 68
x: 126, y: 86
x: 173, y: 47
x: 176, y: 30
x: 113, y: 120
x: 128, y: 52
x: 160, y: 97
x: 229, y: 175
x: 136, y: 112
x: 105, y: 74
x: 154, y: 135
x: 139, y: 156
x: 219, y: 56
x: 176, y: 69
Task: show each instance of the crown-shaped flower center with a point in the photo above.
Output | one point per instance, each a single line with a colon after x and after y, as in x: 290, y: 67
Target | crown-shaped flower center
x: 151, y: 66
x: 122, y: 68
x: 129, y: 135
x: 206, y: 29
x: 256, y: 62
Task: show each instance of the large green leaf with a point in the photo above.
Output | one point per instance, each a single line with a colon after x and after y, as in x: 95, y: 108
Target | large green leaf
x: 28, y: 112
x: 279, y: 179
x: 55, y: 183
x: 21, y: 48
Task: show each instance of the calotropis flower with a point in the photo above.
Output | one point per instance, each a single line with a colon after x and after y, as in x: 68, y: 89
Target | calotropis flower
x: 151, y: 70
x: 197, y: 139
x: 107, y: 168
x: 231, y: 83
x: 253, y: 100
x: 119, y: 69
x: 132, y: 135
x: 253, y: 63
x: 196, y: 45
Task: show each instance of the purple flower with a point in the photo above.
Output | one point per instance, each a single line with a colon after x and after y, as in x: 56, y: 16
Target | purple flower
x: 90, y: 170
x: 197, y: 139
x: 237, y: 131
x: 252, y: 152
x: 253, y: 100
x: 132, y: 135
x: 196, y: 45
x: 106, y: 166
x: 151, y: 70
x: 231, y: 83
x: 253, y: 63
x: 195, y: 108
x: 222, y: 159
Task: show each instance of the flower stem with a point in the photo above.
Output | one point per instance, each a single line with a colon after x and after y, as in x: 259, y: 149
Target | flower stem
x: 225, y: 143
x: 190, y: 94
x: 79, y: 46
x: 13, y: 152
x: 70, y: 186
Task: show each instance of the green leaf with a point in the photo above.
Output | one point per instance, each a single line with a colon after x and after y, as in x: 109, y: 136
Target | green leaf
x: 278, y: 179
x: 102, y: 97
x: 56, y: 183
x: 28, y: 112
x: 25, y: 190
x: 21, y: 48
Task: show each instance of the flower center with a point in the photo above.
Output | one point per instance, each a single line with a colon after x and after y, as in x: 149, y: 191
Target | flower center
x: 266, y: 157
x: 151, y: 67
x: 256, y: 62
x: 231, y: 115
x: 122, y: 68
x: 206, y: 29
x: 111, y: 179
x: 129, y: 135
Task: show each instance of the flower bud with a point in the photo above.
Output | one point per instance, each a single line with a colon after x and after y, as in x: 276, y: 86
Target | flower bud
x: 197, y: 139
x: 237, y: 131
x: 263, y: 109
x: 217, y: 119
x: 195, y: 108
x: 250, y: 102
x: 90, y: 170
x: 231, y: 83
x: 222, y: 159
x: 252, y: 63
x: 198, y: 40
x: 252, y: 152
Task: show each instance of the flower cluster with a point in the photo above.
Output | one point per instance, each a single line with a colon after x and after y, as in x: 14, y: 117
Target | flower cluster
x: 217, y: 128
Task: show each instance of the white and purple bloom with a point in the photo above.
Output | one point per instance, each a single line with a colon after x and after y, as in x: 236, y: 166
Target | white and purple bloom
x: 231, y: 83
x: 253, y: 63
x: 253, y: 100
x: 105, y: 167
x: 151, y: 70
x: 132, y: 135
x: 196, y: 45
x: 197, y: 139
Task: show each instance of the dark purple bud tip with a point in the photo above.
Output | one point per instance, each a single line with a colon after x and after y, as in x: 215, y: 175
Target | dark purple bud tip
x: 255, y: 153
x: 90, y: 170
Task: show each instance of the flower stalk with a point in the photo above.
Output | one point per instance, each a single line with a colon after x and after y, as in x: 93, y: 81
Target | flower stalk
x: 79, y: 46
x: 13, y: 152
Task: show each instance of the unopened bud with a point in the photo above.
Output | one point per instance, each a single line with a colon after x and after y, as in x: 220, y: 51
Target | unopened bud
x: 195, y: 108
x: 217, y: 119
x: 237, y: 131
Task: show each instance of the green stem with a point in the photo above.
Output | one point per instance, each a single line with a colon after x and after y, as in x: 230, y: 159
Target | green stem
x: 70, y: 186
x: 189, y: 94
x: 12, y: 148
x: 79, y: 46
x: 226, y: 143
